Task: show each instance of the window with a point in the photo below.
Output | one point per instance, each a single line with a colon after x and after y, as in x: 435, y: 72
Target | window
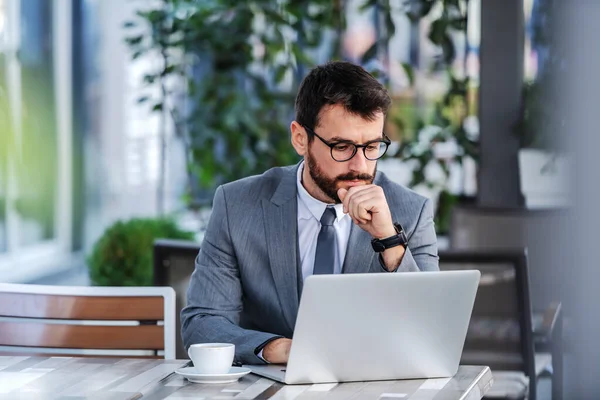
x: 35, y: 176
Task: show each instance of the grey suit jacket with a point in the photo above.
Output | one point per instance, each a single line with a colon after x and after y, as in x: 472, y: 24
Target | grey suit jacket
x: 247, y: 283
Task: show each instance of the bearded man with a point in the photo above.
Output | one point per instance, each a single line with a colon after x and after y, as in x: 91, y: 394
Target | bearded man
x: 331, y: 213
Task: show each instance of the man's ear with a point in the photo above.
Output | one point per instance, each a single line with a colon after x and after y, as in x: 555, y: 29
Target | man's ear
x: 299, y: 138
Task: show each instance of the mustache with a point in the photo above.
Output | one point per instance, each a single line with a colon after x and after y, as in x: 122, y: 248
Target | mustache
x: 354, y: 177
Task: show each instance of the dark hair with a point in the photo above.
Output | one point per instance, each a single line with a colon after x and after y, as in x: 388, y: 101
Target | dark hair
x: 340, y: 82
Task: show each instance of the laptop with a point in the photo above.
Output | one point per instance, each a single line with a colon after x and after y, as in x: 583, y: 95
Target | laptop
x: 364, y: 327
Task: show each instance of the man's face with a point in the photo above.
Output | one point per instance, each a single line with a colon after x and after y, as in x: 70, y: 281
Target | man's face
x: 329, y: 175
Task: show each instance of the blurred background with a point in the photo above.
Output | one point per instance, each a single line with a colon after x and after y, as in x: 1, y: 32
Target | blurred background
x: 119, y: 109
x: 118, y: 119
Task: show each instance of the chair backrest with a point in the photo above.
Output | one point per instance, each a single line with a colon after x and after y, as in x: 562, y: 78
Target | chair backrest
x: 87, y: 321
x: 500, y: 331
x: 497, y: 228
x: 174, y: 263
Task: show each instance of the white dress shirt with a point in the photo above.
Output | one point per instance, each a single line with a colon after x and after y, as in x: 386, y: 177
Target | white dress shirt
x: 310, y: 211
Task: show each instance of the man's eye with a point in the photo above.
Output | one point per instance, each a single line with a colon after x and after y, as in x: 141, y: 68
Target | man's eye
x: 341, y: 147
x: 373, y: 147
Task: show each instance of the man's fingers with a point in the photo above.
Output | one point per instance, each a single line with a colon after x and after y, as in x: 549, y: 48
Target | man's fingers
x: 363, y: 211
x: 342, y: 194
x: 360, y: 205
x: 350, y: 194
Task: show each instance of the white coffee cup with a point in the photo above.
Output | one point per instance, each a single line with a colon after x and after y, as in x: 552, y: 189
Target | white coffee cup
x: 212, y: 358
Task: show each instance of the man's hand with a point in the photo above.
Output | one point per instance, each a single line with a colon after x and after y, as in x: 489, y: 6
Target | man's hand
x: 277, y: 351
x: 368, y: 208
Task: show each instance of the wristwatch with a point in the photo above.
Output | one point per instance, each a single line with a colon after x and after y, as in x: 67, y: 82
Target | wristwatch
x: 399, y: 239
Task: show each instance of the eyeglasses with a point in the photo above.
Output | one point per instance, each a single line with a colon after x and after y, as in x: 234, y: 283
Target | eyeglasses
x: 344, y: 150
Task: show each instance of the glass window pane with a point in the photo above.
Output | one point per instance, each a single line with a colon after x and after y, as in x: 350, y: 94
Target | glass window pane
x: 3, y: 127
x: 37, y: 168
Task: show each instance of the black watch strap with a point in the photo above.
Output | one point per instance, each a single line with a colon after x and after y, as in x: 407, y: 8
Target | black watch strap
x: 399, y: 239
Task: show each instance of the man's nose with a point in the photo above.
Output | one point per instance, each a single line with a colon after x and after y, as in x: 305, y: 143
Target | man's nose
x: 358, y: 162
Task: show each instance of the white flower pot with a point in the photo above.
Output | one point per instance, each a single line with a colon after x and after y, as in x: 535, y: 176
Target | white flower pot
x: 544, y: 178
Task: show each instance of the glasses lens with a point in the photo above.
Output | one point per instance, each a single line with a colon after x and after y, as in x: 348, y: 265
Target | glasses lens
x: 343, y: 151
x: 375, y: 150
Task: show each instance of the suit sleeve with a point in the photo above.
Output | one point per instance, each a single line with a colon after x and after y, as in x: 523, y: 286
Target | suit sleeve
x: 421, y: 253
x: 214, y: 296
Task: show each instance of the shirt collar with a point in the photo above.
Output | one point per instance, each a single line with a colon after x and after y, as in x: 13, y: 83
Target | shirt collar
x: 313, y: 207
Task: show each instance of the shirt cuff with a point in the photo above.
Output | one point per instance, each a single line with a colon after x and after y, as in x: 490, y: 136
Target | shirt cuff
x: 259, y: 350
x: 259, y: 355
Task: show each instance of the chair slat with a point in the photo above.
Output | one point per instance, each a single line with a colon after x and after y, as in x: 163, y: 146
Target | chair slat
x: 28, y: 305
x: 144, y: 337
x: 41, y: 353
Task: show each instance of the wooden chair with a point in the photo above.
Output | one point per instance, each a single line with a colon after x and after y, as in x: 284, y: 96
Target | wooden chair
x: 87, y: 321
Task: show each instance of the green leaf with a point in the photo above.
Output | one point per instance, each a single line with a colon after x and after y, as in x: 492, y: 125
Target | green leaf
x: 371, y: 53
x: 134, y: 40
x: 416, y: 10
x: 168, y: 70
x: 459, y: 24
x: 137, y: 54
x: 301, y: 56
x: 280, y: 73
x: 410, y: 73
x: 452, y: 3
x: 448, y: 49
x: 155, y: 16
x: 438, y: 31
x: 389, y: 25
x: 367, y: 5
x: 150, y: 78
x: 426, y: 5
x: 157, y: 107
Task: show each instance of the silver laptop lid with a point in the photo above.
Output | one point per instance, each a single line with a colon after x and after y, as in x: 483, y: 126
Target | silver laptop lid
x: 358, y: 327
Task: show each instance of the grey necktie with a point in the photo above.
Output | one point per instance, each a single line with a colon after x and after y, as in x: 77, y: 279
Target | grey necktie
x: 325, y: 254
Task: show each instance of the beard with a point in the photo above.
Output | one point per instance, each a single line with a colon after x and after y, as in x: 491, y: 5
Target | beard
x: 329, y: 186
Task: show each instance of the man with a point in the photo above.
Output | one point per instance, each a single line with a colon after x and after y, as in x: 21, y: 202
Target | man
x: 268, y: 233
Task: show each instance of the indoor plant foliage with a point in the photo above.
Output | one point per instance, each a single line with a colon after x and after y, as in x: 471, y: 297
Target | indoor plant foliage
x: 543, y: 162
x: 228, y: 78
x: 541, y: 116
x: 444, y: 136
x: 123, y: 255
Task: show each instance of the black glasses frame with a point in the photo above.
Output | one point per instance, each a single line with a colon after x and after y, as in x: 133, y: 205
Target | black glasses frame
x: 384, y: 139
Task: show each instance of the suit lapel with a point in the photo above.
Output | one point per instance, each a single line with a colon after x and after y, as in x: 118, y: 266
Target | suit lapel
x: 281, y: 224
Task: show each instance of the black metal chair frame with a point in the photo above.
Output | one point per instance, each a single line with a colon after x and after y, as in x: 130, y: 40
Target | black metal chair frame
x: 550, y: 334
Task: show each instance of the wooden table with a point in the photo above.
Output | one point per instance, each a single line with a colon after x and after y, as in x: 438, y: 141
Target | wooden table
x: 75, y: 378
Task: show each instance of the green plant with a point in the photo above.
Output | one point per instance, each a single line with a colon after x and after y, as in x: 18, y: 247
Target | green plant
x: 450, y: 111
x: 238, y: 64
x: 123, y: 255
x: 541, y: 114
x: 537, y: 118
x: 446, y: 121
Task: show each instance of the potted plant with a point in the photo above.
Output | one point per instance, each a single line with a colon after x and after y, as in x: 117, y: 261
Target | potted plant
x: 123, y: 254
x: 228, y: 73
x: 543, y: 166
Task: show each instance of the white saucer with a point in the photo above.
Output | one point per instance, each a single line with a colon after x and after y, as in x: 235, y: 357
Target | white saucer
x: 233, y: 375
